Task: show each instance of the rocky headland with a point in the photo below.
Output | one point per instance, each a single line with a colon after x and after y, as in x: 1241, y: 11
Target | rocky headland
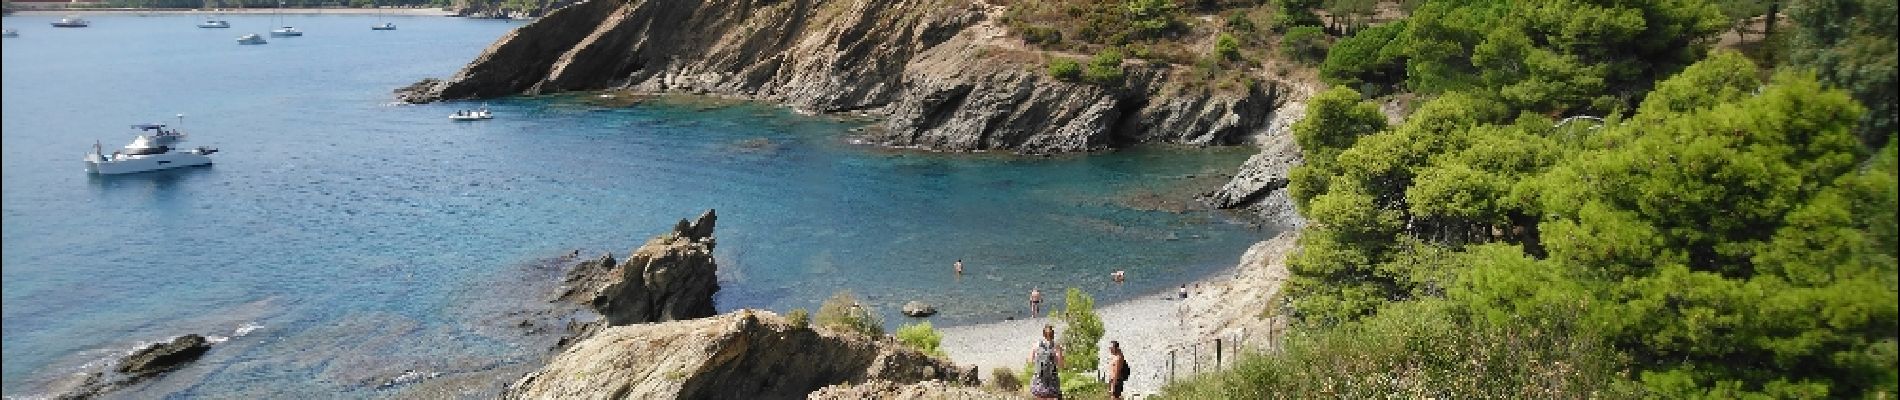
x: 940, y: 75
x: 742, y: 354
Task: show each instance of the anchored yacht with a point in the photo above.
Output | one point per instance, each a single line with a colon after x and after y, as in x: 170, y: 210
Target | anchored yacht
x: 151, y: 151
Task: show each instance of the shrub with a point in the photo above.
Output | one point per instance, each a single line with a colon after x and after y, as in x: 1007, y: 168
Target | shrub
x: 1006, y: 379
x: 923, y: 337
x: 1424, y: 349
x: 1105, y: 68
x: 1306, y: 44
x: 1041, y: 35
x: 1239, y: 22
x: 799, y: 318
x: 1064, y: 69
x: 1082, y: 334
x: 843, y: 312
x: 1227, y: 48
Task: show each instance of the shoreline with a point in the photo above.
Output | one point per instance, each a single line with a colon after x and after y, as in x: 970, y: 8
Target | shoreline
x: 1222, y: 305
x: 433, y: 11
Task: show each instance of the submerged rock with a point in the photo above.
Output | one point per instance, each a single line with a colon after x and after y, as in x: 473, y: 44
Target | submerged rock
x: 163, y: 356
x: 919, y: 309
x: 743, y: 354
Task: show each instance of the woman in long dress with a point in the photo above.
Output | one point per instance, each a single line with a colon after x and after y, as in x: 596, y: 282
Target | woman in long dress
x: 1047, y: 357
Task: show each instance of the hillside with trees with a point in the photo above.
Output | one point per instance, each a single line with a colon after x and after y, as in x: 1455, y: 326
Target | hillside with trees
x: 1590, y: 199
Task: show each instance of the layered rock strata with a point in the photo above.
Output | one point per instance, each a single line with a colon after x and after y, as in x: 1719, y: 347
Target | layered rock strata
x: 671, y: 277
x: 743, y: 354
x: 944, y: 73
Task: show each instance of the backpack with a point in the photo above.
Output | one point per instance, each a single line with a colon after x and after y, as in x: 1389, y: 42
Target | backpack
x: 1045, y: 361
x: 1125, y: 370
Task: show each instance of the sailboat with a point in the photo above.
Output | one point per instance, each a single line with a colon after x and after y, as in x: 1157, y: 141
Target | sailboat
x: 287, y: 30
x: 385, y: 25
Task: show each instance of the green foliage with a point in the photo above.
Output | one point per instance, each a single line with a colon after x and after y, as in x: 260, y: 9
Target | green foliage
x: 921, y: 336
x: 1371, y: 60
x: 799, y: 318
x: 1335, y: 119
x: 1105, y: 68
x: 1425, y: 349
x: 1151, y: 18
x: 1082, y: 331
x: 1082, y: 385
x: 1305, y: 44
x: 1730, y: 238
x: 1544, y: 56
x: 1064, y: 69
x: 1291, y: 13
x: 843, y: 312
x: 1006, y: 379
x: 1226, y: 48
x: 1850, y: 44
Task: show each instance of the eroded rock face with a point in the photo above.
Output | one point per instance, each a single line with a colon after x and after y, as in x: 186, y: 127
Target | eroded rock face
x: 944, y: 73
x: 743, y: 354
x: 671, y: 277
x: 163, y: 356
x: 1259, y: 188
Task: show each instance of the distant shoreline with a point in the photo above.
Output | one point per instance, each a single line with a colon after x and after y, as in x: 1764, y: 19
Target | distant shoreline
x: 431, y: 11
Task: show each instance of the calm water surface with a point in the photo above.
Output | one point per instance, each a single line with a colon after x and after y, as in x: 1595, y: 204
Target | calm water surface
x: 340, y: 239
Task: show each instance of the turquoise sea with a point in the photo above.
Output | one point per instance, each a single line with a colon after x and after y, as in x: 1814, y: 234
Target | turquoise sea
x: 341, y: 239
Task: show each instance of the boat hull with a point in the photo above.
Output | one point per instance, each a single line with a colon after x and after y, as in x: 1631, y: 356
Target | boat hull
x: 132, y: 165
x: 68, y: 25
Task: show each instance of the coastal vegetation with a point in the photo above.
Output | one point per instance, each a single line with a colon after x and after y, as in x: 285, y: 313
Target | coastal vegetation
x: 1587, y: 201
x: 923, y: 337
x: 843, y: 312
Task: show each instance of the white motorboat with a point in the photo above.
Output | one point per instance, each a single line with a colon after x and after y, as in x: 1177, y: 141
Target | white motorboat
x: 152, y: 151
x: 285, y: 32
x: 214, y: 23
x: 9, y: 32
x: 472, y: 115
x: 386, y: 26
x: 251, y: 39
x: 71, y: 21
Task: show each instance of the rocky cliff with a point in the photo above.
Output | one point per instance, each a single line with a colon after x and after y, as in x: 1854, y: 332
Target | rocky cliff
x: 1259, y: 188
x: 671, y: 277
x: 944, y: 73
x: 743, y: 354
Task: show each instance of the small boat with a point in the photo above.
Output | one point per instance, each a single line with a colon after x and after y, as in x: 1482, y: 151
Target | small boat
x: 214, y: 23
x: 251, y: 39
x: 71, y: 21
x: 386, y: 26
x: 472, y: 115
x: 9, y: 32
x: 152, y: 151
x: 285, y: 32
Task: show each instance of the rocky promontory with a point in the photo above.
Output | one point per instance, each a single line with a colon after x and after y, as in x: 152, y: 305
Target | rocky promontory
x: 743, y: 354
x: 944, y: 74
x: 671, y: 277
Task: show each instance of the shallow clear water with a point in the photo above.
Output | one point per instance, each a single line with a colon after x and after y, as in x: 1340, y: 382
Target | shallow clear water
x: 351, y: 235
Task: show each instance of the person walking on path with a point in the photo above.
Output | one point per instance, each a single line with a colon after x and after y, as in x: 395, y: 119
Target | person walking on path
x: 1035, y: 302
x: 1117, y: 370
x: 1047, y: 357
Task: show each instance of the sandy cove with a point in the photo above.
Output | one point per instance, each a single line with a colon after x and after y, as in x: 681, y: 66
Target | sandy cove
x: 1226, y: 305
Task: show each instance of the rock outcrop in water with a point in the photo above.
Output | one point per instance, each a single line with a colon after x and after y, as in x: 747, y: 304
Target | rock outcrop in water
x: 671, y: 277
x: 1259, y: 188
x: 147, y: 362
x: 743, y: 354
x: 945, y: 73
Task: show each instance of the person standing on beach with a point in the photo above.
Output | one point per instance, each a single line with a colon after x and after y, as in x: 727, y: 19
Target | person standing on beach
x: 1035, y: 302
x: 1045, y: 384
x: 1117, y: 370
x: 1183, y: 291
